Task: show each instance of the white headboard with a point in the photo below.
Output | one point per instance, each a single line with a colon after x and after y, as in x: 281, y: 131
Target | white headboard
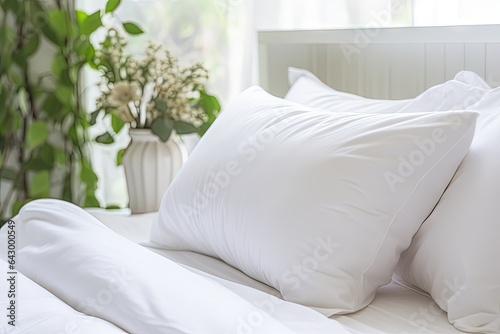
x: 381, y: 62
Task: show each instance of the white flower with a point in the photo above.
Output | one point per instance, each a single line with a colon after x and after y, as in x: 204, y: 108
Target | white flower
x: 122, y: 93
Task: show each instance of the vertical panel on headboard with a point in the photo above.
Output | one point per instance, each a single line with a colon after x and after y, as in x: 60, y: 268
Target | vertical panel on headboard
x: 454, y: 59
x: 333, y: 67
x: 434, y: 64
x: 475, y: 58
x: 379, y: 70
x: 318, y: 57
x: 407, y: 70
x: 350, y: 69
x: 493, y: 64
x: 375, y: 65
x: 271, y: 56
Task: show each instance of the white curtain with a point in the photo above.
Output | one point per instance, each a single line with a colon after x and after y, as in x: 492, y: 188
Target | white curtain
x: 221, y: 34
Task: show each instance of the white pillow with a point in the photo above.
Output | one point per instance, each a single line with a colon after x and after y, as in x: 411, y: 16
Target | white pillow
x: 318, y: 205
x: 308, y: 90
x: 294, y: 73
x: 454, y: 255
x: 471, y: 79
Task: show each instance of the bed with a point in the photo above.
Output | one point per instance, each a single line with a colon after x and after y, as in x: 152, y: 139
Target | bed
x: 54, y: 287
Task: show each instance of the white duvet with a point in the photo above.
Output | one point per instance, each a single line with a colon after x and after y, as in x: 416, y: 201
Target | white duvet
x: 117, y: 285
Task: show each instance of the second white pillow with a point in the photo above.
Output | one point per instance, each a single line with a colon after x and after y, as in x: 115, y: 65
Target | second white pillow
x: 308, y: 90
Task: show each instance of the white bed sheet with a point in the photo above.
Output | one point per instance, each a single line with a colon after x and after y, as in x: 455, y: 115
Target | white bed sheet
x: 396, y: 309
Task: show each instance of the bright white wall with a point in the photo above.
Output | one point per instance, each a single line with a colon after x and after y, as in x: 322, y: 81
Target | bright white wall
x: 326, y: 14
x: 456, y: 12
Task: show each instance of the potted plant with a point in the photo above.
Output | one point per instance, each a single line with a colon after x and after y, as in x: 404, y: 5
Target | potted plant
x: 157, y: 100
x: 43, y: 133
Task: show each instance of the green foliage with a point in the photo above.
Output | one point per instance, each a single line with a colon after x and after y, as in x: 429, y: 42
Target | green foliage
x: 105, y: 138
x: 116, y: 123
x: 36, y: 135
x: 91, y: 23
x: 183, y: 128
x: 162, y: 127
x: 111, y: 5
x: 211, y: 107
x: 119, y: 157
x: 43, y: 138
x: 132, y: 29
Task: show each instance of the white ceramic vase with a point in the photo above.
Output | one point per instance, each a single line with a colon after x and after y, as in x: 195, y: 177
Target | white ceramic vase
x: 150, y: 166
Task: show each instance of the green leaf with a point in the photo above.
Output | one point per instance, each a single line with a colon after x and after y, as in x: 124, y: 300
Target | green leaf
x: 161, y: 105
x: 209, y: 103
x: 31, y: 45
x: 92, y: 64
x: 40, y: 184
x: 51, y: 35
x: 16, y: 78
x: 58, y: 65
x: 73, y: 135
x: 90, y: 52
x: 37, y: 134
x: 87, y: 175
x: 119, y: 157
x: 1, y: 161
x: 162, y: 127
x: 22, y: 100
x: 64, y: 95
x: 20, y: 59
x: 8, y: 174
x: 52, y: 107
x: 117, y: 123
x: 42, y: 19
x: 43, y: 159
x: 21, y: 16
x: 105, y: 138
x: 184, y: 128
x: 91, y: 23
x: 132, y: 28
x: 12, y: 5
x: 211, y: 108
x: 111, y: 5
x: 91, y: 201
x: 80, y: 17
x: 58, y: 24
x: 72, y: 74
x: 93, y: 116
